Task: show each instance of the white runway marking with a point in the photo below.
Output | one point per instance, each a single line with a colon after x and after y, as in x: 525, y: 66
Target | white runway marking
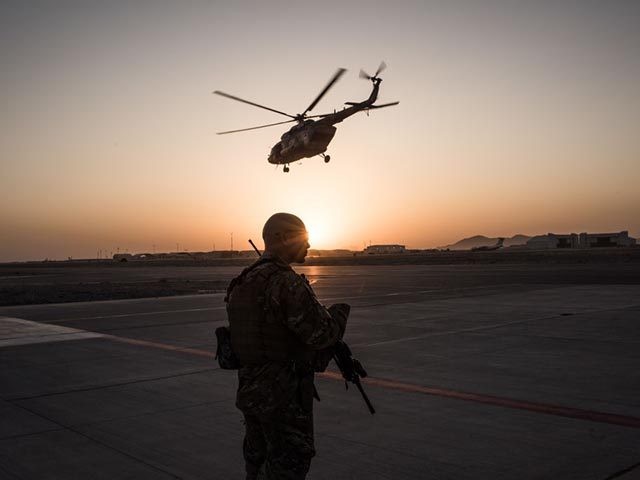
x: 139, y: 314
x: 414, y: 292
x: 208, y: 309
x: 16, y: 331
x: 485, y: 327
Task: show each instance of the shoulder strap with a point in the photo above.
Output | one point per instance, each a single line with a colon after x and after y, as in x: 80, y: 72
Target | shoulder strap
x: 238, y: 280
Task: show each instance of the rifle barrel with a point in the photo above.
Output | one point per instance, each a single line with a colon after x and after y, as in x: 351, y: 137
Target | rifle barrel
x: 364, y: 396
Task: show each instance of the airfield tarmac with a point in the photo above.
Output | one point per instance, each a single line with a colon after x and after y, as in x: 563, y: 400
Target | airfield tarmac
x: 523, y: 371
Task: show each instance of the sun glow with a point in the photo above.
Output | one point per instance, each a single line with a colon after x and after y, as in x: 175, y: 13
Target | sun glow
x: 321, y: 228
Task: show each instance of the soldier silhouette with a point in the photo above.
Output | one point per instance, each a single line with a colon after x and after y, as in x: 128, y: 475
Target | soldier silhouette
x: 281, y: 334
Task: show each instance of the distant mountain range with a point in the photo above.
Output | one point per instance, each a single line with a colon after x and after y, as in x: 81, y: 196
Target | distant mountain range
x: 481, y: 240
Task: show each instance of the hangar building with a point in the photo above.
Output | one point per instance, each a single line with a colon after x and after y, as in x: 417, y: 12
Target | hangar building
x: 582, y: 240
x: 384, y: 249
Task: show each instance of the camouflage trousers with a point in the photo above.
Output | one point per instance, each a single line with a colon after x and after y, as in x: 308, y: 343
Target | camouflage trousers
x: 279, y: 446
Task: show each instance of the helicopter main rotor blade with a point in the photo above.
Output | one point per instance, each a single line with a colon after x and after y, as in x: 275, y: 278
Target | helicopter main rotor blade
x: 333, y: 80
x: 255, y: 128
x: 218, y: 92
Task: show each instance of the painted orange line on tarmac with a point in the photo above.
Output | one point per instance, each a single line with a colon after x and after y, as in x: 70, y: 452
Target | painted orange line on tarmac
x: 545, y: 408
x: 162, y: 346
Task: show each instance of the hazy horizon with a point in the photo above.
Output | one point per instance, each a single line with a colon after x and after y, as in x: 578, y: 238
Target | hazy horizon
x: 244, y: 246
x: 513, y: 119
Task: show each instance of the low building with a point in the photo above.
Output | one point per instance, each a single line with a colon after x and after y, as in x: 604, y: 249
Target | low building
x: 554, y: 240
x: 594, y: 240
x: 582, y: 240
x: 384, y: 249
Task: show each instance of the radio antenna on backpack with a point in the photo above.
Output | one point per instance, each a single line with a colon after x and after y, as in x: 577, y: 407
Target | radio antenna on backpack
x: 255, y: 248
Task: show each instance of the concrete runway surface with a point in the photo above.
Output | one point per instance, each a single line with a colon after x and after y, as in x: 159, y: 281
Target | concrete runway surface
x: 476, y: 372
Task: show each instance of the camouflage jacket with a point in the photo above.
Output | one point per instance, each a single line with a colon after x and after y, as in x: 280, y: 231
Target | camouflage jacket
x: 290, y: 299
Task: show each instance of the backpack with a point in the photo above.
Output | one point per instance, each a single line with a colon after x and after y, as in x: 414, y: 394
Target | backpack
x: 227, y: 359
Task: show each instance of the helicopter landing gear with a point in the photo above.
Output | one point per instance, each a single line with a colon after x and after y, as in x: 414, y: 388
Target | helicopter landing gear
x: 285, y: 169
x: 325, y: 157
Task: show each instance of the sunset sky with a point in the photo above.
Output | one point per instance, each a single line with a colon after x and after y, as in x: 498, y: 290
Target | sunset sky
x: 514, y: 117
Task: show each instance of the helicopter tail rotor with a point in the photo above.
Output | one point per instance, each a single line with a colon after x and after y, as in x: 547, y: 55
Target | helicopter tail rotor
x: 373, y: 77
x: 364, y: 75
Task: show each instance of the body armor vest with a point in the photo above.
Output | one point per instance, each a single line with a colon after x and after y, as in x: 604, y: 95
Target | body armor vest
x: 258, y: 333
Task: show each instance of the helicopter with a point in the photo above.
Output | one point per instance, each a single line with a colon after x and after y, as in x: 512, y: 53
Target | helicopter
x: 309, y: 138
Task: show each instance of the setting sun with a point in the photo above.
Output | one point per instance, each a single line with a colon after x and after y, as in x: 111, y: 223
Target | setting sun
x: 321, y: 227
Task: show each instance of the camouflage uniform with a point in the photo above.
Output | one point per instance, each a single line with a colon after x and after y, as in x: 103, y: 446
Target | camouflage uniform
x: 275, y: 383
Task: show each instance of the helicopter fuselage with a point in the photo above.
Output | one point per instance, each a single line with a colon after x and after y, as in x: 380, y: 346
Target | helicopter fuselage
x: 306, y: 140
x: 309, y: 138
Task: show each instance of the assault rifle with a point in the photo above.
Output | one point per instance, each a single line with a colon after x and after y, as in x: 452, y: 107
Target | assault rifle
x: 351, y: 370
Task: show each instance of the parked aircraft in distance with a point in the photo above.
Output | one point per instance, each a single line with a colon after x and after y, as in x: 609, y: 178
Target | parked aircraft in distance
x: 487, y: 248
